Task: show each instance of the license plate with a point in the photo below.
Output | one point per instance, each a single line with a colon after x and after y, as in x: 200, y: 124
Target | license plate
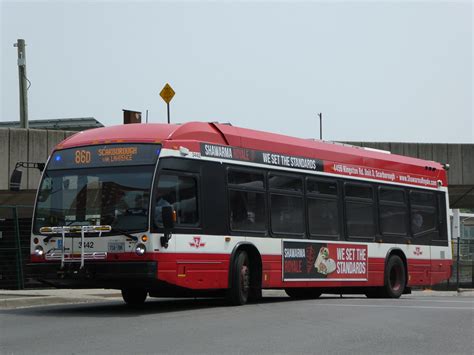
x: 116, y: 247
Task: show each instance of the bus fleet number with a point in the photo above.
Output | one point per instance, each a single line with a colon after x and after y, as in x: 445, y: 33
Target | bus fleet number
x: 87, y: 245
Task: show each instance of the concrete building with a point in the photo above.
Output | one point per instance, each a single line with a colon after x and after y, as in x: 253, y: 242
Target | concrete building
x: 58, y: 124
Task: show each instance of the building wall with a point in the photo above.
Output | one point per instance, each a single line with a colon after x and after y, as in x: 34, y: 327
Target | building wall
x: 27, y: 145
x: 458, y: 156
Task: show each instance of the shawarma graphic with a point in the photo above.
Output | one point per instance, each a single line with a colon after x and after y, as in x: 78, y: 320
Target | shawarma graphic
x: 324, y: 264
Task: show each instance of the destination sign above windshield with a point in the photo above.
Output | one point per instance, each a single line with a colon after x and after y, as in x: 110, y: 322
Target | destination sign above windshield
x: 105, y: 155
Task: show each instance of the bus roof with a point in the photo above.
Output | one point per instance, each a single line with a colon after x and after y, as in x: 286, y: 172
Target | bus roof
x: 191, y: 135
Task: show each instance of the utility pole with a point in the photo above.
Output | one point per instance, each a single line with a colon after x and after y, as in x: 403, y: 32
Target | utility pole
x: 320, y: 126
x: 22, y: 81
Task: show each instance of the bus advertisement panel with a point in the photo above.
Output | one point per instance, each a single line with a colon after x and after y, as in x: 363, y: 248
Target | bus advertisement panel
x: 324, y: 261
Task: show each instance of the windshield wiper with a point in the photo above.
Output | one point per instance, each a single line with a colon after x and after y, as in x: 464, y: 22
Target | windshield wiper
x: 128, y: 235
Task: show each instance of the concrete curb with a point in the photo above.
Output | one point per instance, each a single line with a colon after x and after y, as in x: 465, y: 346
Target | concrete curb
x: 47, y: 301
x: 432, y: 293
x: 12, y: 300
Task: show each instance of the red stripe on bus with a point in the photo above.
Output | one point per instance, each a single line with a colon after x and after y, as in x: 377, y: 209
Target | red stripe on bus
x: 201, y: 271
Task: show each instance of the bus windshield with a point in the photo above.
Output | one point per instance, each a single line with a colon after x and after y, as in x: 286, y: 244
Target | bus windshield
x: 115, y: 196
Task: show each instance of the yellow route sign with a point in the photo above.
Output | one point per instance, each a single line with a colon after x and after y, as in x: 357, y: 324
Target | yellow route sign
x: 167, y: 93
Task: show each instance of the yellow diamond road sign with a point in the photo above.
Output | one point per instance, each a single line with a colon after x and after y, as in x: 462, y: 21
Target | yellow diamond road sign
x: 167, y: 93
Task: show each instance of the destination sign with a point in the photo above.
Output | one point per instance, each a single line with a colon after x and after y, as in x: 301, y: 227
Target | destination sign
x: 260, y: 157
x: 105, y: 155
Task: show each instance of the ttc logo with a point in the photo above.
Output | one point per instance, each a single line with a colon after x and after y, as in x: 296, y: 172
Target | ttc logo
x: 197, y: 243
x: 417, y: 251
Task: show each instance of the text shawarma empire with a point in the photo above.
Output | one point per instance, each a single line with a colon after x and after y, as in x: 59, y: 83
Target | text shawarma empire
x: 218, y: 151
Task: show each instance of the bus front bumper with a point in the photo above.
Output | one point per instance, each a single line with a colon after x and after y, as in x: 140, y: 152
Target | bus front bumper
x: 95, y: 274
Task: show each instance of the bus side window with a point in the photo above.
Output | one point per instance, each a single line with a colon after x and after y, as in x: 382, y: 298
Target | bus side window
x: 287, y: 205
x: 180, y: 192
x: 287, y: 214
x: 323, y: 213
x: 247, y: 211
x: 247, y: 199
x: 359, y: 205
x: 393, y: 211
x: 423, y: 212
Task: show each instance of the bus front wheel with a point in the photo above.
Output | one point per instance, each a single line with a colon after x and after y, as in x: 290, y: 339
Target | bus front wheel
x: 134, y: 296
x: 238, y: 292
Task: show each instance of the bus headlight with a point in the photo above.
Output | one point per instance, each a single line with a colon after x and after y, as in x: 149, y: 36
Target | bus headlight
x: 39, y: 251
x: 140, y: 249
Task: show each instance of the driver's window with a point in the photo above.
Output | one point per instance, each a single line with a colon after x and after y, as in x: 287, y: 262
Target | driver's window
x: 180, y: 192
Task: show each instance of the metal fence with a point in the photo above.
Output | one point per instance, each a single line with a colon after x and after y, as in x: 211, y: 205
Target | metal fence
x: 15, y: 231
x: 463, y: 266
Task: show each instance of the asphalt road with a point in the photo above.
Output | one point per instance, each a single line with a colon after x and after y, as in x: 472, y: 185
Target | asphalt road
x: 410, y: 325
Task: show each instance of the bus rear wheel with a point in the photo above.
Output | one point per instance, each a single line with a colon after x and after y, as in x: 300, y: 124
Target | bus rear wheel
x: 395, y: 278
x: 134, y: 296
x: 238, y: 293
x: 303, y: 293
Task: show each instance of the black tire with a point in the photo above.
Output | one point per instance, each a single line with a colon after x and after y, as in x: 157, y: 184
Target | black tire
x: 239, y: 291
x: 134, y: 296
x: 394, y: 278
x: 303, y: 293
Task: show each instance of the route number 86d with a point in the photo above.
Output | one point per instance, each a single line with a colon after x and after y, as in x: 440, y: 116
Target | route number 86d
x: 82, y: 157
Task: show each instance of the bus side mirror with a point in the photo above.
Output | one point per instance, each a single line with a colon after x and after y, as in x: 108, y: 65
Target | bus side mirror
x: 15, y: 180
x: 168, y: 216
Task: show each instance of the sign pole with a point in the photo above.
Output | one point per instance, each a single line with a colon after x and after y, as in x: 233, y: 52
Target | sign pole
x: 167, y: 94
x: 168, y: 106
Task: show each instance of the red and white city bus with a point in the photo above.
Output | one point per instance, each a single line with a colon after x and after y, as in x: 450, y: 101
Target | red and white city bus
x: 212, y: 209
